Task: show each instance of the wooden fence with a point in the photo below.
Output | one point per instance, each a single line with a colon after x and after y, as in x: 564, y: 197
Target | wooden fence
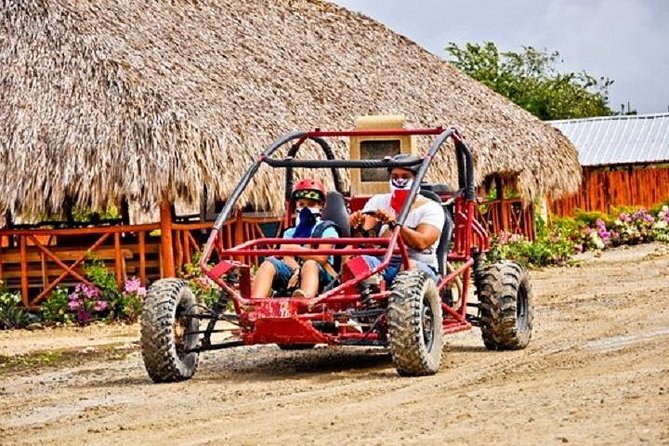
x: 510, y: 215
x: 36, y: 261
x: 603, y: 189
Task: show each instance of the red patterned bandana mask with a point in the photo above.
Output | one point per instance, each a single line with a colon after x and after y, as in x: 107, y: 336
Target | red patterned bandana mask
x: 399, y: 191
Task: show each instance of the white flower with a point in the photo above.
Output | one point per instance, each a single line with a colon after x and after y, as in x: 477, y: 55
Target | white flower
x: 660, y: 224
x: 597, y: 240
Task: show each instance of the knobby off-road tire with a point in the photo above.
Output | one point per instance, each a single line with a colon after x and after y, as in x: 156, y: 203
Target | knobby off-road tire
x: 415, y: 324
x: 164, y: 324
x: 506, y: 311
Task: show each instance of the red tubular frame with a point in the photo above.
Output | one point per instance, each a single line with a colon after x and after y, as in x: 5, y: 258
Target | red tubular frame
x: 287, y: 314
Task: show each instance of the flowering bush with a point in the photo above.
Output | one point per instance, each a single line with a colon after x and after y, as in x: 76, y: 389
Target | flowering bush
x: 661, y: 225
x: 206, y: 291
x: 87, y: 304
x: 633, y: 228
x: 54, y: 310
x: 588, y: 231
x: 133, y: 297
x: 551, y: 246
x: 12, y: 312
x: 101, y: 300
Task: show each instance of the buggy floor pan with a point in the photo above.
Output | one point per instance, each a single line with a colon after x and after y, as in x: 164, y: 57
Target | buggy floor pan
x: 276, y: 321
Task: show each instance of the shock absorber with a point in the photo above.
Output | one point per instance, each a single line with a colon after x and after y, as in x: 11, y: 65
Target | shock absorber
x: 478, y: 266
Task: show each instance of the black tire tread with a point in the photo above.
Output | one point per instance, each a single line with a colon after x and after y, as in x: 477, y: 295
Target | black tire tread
x: 498, y: 291
x: 409, y: 352
x: 161, y: 360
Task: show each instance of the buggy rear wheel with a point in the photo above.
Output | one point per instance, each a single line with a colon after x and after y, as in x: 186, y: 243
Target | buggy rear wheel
x: 166, y: 324
x: 415, y: 324
x: 505, y: 310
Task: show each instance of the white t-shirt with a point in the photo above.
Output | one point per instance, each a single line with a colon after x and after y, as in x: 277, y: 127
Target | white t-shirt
x: 430, y: 212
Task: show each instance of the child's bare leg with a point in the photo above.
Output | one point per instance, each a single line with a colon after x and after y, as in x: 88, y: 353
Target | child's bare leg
x: 262, y: 283
x: 309, y: 278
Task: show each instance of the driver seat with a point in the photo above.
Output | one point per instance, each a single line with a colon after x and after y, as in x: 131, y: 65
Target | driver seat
x: 446, y: 231
x: 336, y: 212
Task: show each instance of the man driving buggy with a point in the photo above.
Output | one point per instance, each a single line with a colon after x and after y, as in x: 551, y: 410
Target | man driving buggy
x: 306, y: 273
x: 422, y: 227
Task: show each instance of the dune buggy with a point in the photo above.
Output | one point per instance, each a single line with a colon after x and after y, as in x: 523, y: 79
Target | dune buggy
x: 408, y: 316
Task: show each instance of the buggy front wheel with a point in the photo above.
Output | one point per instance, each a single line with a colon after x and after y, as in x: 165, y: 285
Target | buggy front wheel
x: 415, y: 324
x: 169, y: 331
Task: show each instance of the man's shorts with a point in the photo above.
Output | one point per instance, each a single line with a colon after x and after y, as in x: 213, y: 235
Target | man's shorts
x: 396, y: 264
x: 284, y: 273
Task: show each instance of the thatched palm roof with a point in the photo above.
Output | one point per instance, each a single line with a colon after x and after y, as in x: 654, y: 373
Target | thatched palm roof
x: 105, y: 99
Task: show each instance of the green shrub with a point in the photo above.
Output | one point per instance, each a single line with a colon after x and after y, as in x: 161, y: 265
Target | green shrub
x: 655, y: 210
x: 555, y: 243
x: 205, y: 290
x: 54, y: 310
x: 12, y: 312
x: 589, y: 218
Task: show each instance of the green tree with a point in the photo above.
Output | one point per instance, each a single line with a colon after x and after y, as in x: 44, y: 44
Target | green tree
x: 531, y: 80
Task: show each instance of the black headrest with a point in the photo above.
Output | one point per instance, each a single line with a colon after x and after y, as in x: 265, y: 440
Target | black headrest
x: 335, y: 211
x: 431, y: 195
x: 441, y: 189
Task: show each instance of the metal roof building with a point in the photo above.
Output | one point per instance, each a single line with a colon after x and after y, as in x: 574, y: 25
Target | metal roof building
x: 615, y: 140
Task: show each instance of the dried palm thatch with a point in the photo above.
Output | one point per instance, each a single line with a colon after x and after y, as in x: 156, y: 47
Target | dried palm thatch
x: 138, y: 98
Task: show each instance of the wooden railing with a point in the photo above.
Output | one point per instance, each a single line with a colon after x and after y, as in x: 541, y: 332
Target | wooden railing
x: 189, y: 237
x: 36, y: 261
x: 510, y: 215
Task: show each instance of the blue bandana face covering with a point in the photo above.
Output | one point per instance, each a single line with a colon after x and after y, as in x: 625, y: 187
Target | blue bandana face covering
x: 305, y: 222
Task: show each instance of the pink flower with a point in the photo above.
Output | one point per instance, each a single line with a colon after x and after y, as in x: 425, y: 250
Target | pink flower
x: 134, y: 286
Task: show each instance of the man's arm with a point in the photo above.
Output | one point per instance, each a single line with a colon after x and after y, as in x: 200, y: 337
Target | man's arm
x: 426, y: 233
x: 424, y: 236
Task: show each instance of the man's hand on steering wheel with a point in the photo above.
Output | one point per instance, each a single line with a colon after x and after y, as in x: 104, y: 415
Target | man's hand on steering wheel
x: 386, y: 216
x: 357, y: 219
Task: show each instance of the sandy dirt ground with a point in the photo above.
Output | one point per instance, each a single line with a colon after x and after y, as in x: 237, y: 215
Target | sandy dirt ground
x: 596, y: 372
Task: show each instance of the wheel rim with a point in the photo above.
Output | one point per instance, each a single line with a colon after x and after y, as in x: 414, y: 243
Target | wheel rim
x: 427, y: 324
x: 521, y: 308
x: 181, y: 327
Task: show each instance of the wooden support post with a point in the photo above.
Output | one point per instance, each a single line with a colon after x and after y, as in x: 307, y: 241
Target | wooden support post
x: 187, y: 247
x: 2, y: 267
x: 239, y: 233
x: 142, y: 257
x: 24, y: 270
x: 118, y: 259
x: 166, y: 247
x: 179, y: 252
x: 499, y: 185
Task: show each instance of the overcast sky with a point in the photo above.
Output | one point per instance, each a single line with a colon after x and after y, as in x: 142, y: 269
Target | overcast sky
x: 624, y: 40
